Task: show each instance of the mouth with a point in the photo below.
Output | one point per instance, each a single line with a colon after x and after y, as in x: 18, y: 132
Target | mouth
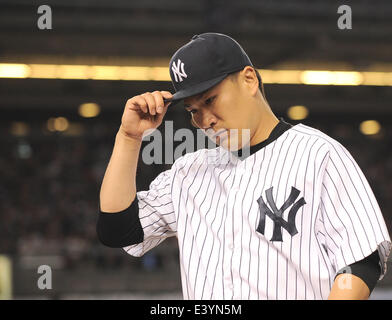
x: 218, y: 133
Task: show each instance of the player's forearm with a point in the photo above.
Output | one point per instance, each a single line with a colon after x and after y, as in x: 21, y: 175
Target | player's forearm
x: 349, y: 287
x: 118, y: 189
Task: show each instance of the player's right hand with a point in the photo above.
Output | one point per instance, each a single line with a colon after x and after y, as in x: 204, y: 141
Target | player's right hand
x: 144, y: 112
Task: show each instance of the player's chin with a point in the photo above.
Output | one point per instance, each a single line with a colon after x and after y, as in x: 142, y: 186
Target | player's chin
x: 229, y: 143
x: 234, y: 140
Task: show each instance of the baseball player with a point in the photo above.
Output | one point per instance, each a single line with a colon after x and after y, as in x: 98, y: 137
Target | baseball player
x: 288, y: 215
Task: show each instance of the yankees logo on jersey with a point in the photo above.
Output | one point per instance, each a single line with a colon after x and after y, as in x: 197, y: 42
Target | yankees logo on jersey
x: 276, y: 215
x: 277, y: 224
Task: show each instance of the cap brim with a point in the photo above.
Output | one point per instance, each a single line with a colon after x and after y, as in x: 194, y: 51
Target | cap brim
x: 196, y: 89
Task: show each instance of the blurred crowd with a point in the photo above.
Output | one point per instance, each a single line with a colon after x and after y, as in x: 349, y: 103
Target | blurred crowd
x: 49, y: 192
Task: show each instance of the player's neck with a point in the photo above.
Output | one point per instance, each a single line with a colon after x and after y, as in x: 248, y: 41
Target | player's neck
x: 266, y: 125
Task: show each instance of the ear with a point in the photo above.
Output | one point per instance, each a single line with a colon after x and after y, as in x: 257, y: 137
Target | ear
x: 193, y: 123
x: 250, y: 80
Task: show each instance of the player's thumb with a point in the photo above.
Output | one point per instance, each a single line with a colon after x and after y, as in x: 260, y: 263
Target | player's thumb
x: 167, y: 96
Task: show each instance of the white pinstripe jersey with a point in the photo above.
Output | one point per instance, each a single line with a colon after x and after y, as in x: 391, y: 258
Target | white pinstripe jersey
x: 229, y: 216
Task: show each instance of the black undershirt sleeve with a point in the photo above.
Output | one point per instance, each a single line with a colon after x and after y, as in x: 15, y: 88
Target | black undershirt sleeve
x: 120, y: 229
x: 368, y: 269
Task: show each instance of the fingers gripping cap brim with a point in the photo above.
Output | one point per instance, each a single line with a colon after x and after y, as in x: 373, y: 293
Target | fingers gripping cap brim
x: 196, y: 89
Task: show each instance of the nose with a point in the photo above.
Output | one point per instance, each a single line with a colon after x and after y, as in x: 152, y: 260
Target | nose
x: 204, y: 120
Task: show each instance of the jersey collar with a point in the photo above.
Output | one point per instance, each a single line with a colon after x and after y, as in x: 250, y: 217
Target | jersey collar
x: 281, y: 127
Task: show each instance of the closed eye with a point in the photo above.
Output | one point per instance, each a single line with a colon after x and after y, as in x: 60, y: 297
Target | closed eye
x: 209, y: 100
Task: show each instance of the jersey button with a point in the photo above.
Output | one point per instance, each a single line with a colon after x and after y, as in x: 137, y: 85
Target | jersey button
x: 231, y: 246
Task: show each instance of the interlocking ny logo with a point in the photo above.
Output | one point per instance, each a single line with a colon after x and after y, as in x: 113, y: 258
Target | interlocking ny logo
x: 276, y: 214
x: 178, y: 70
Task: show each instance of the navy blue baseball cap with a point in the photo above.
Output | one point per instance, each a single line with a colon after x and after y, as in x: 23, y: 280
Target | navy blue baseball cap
x: 204, y: 62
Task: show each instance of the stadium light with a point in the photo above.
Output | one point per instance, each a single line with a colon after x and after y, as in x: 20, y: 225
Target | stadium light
x: 297, y: 112
x: 337, y: 78
x: 370, y: 127
x: 150, y: 73
x: 9, y: 70
x: 57, y: 124
x: 89, y: 110
x: 19, y: 129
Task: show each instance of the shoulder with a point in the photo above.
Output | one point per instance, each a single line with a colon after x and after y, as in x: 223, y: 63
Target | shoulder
x: 334, y: 156
x: 317, y: 137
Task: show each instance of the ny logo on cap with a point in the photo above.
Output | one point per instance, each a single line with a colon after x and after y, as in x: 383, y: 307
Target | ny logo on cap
x: 276, y: 214
x: 178, y: 71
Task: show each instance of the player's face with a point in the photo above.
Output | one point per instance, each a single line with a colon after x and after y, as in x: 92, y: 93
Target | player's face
x: 224, y: 114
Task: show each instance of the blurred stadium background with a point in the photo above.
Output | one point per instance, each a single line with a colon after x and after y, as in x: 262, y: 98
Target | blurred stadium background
x: 62, y: 92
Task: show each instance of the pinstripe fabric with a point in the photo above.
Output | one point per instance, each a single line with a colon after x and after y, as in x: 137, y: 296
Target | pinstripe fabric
x: 211, y: 206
